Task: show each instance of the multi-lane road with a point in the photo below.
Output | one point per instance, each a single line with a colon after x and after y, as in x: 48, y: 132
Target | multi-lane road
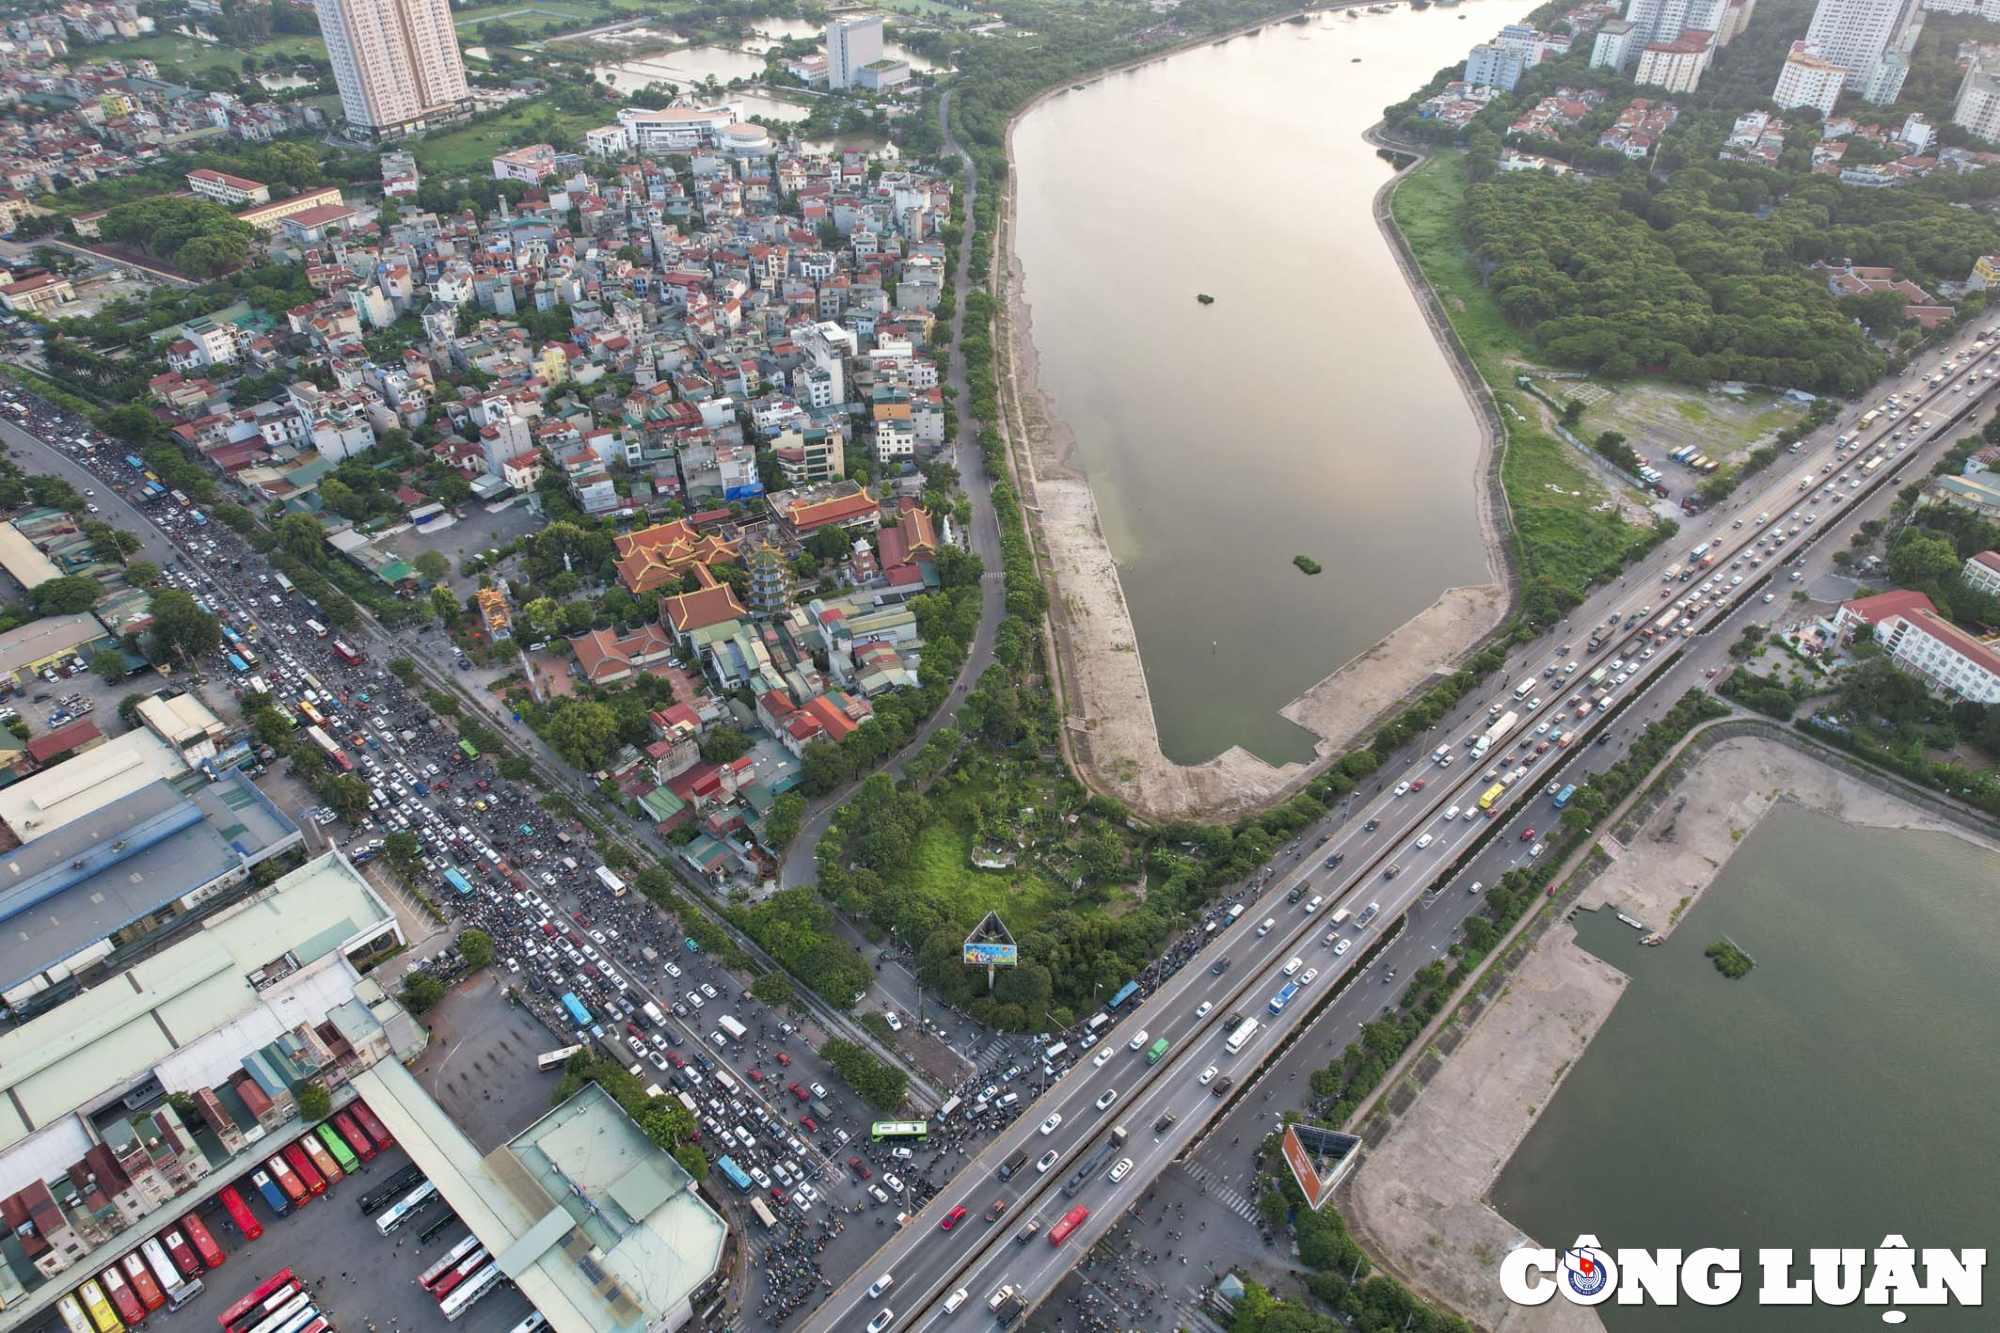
x: 930, y: 1265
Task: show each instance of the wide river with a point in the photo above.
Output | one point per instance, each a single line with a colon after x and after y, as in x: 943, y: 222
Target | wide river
x: 1838, y: 1094
x: 1308, y: 411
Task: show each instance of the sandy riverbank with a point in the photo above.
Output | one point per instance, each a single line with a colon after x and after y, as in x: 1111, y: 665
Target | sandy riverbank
x: 1419, y: 1200
x: 1113, y: 736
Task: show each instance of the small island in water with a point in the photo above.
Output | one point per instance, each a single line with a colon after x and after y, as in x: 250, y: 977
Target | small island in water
x: 1731, y: 961
x: 1307, y: 563
x: 1204, y: 298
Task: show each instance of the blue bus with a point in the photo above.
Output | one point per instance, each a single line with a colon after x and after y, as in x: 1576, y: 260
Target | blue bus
x: 134, y: 463
x: 575, y: 1008
x: 237, y: 664
x: 230, y: 636
x: 1125, y: 992
x: 1284, y: 997
x: 1562, y: 797
x: 459, y: 882
x: 735, y: 1174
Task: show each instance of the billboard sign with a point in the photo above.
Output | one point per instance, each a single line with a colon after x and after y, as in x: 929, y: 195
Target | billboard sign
x: 980, y: 953
x: 1319, y: 1158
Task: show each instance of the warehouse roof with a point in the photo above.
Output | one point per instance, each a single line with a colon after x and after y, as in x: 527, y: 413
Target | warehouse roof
x: 45, y: 638
x: 23, y: 560
x: 37, y: 806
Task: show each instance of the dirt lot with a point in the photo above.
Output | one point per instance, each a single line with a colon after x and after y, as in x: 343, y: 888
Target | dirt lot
x: 1659, y: 418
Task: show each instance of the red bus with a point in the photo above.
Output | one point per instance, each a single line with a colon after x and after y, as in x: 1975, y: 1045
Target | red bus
x: 288, y: 1180
x: 459, y: 1272
x: 346, y: 654
x: 302, y: 1164
x: 180, y: 1252
x: 246, y: 1221
x: 120, y: 1293
x: 374, y: 1127
x: 282, y: 1280
x: 142, y: 1281
x: 452, y: 1258
x: 204, y: 1244
x: 322, y: 1160
x: 1071, y: 1221
x: 356, y: 1140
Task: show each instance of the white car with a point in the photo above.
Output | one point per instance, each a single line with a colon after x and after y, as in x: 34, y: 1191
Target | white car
x: 1292, y: 968
x: 673, y: 969
x: 1104, y: 1101
x: 1451, y: 813
x: 1137, y: 1041
x: 1201, y: 1010
x: 1103, y: 1057
x: 708, y: 990
x: 1120, y: 1171
x: 1306, y: 977
x: 1341, y: 948
x: 1207, y: 1076
x: 1049, y: 1125
x: 1424, y: 841
x: 1402, y: 788
x: 818, y: 1089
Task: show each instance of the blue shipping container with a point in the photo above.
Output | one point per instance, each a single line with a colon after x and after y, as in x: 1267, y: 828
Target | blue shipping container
x: 1125, y: 992
x: 735, y: 1174
x: 575, y: 1008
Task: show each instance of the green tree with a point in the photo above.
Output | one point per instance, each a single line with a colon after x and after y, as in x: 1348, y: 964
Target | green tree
x: 781, y: 823
x: 773, y: 989
x: 65, y: 596
x: 420, y: 990
x: 109, y: 666
x: 476, y: 946
x: 140, y: 573
x: 433, y: 565
x: 584, y: 733
x: 315, y: 1102
x: 128, y: 709
x: 724, y: 744
x: 179, y: 626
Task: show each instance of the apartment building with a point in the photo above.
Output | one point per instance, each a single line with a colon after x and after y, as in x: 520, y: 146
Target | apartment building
x: 1919, y: 640
x: 852, y: 43
x: 1870, y: 39
x: 1808, y: 78
x: 223, y: 188
x: 396, y: 62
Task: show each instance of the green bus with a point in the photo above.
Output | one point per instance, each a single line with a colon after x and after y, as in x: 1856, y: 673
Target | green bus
x: 468, y: 749
x: 900, y: 1130
x: 1155, y: 1051
x: 342, y: 1154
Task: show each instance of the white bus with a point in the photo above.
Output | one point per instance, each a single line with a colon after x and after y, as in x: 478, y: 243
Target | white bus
x: 555, y: 1059
x: 472, y: 1291
x: 1244, y: 1032
x: 405, y: 1208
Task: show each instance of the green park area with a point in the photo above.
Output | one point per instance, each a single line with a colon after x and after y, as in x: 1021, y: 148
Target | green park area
x: 183, y: 57
x: 468, y: 149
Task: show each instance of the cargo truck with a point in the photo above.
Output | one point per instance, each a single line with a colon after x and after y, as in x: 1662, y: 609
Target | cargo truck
x: 1494, y: 733
x: 1093, y: 1163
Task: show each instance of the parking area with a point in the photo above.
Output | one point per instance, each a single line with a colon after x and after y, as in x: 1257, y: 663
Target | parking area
x: 477, y: 532
x: 480, y: 1065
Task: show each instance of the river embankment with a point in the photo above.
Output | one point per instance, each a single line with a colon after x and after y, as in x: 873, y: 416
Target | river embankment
x: 1114, y: 731
x: 1422, y: 1200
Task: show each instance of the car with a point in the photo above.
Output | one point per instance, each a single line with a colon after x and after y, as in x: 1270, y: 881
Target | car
x: 1341, y: 947
x: 1103, y: 1057
x: 1137, y: 1042
x: 1424, y: 842
x: 1104, y: 1101
x: 1048, y: 1159
x: 1402, y: 789
x: 1223, y: 1086
x: 1049, y: 1125
x: 859, y: 1167
x: 1418, y: 785
x: 1164, y: 1123
x: 1527, y: 835
x: 673, y: 969
x: 798, y: 1092
x: 818, y: 1090
x: 1306, y: 977
x: 1770, y: 597
x: 952, y: 1218
x: 881, y: 1321
x: 777, y: 1194
x: 808, y: 1124
x: 1207, y: 1076
x: 784, y: 1059
x: 1220, y: 966
x: 708, y: 990
x: 1122, y: 1170
x: 1201, y: 1010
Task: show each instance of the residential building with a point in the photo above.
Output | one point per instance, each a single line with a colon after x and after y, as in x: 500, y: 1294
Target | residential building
x: 1676, y: 66
x: 1977, y: 108
x: 852, y: 42
x: 1979, y: 493
x: 1663, y: 21
x: 1491, y: 65
x: 1922, y: 642
x: 1809, y: 79
x: 529, y: 165
x: 223, y: 188
x: 1616, y: 45
x: 1870, y: 40
x: 396, y: 62
x: 266, y: 217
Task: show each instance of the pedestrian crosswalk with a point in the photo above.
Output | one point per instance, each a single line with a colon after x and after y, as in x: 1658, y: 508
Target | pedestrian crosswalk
x: 1230, y: 1198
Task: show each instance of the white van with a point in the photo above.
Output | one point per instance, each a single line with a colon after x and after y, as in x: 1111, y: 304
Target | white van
x: 882, y: 1284
x: 1262, y: 931
x: 1055, y: 1052
x: 956, y: 1299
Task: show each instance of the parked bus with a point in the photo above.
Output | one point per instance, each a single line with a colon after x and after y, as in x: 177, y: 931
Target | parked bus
x: 1156, y: 1051
x: 274, y: 1198
x: 734, y: 1173
x: 763, y: 1213
x: 374, y: 1127
x: 356, y: 1140
x: 269, y: 1298
x: 299, y: 1321
x: 119, y: 1291
x: 901, y: 1130
x: 532, y: 1324
x: 1071, y: 1220
x: 322, y: 1160
x: 455, y: 1276
x: 247, y: 1225
x: 432, y: 1230
x: 180, y: 1252
x: 1125, y: 992
x: 142, y: 1282
x: 210, y: 1253
x: 290, y: 1310
x: 279, y: 1281
x: 98, y: 1308
x: 483, y: 1284
x: 288, y: 1181
x: 557, y: 1058
x: 1491, y: 794
x: 330, y: 1139
x: 309, y: 1175
x: 449, y: 1260
x: 397, y: 1185
x: 73, y: 1317
x: 405, y: 1208
x: 164, y: 1271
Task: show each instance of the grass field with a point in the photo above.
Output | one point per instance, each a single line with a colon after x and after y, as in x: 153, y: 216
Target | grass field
x: 942, y: 871
x: 1567, y: 535
x: 469, y: 150
x: 179, y: 56
x: 524, y: 13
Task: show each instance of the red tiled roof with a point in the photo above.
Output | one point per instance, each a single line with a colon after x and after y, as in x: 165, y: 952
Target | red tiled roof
x: 655, y: 556
x: 1882, y: 605
x: 63, y: 739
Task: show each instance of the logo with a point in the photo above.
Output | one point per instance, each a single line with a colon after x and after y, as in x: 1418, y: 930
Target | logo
x: 1587, y: 1272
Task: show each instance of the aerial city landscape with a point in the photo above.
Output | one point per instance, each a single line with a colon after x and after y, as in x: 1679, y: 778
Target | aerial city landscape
x: 1061, y: 665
